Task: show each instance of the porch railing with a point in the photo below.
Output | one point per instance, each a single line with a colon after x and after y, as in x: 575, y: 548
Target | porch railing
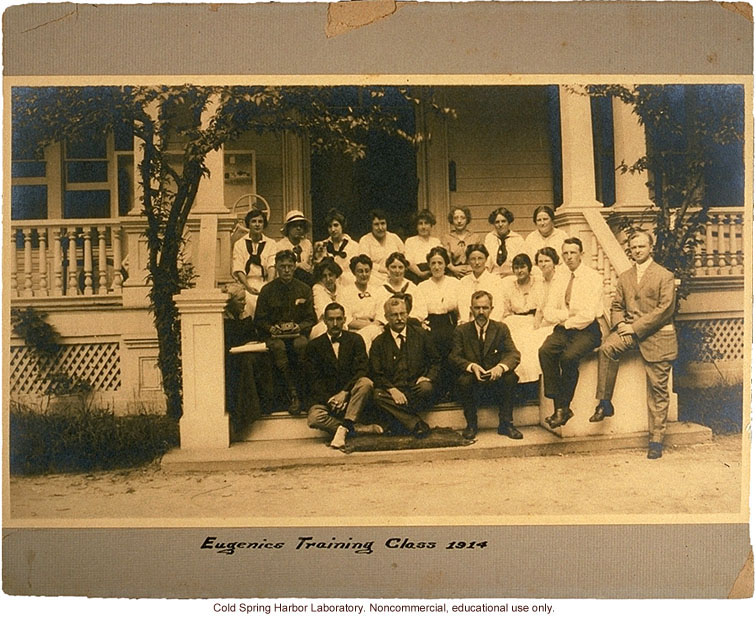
x: 66, y: 258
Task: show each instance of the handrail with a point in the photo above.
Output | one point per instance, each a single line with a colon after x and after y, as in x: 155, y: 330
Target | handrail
x: 64, y: 222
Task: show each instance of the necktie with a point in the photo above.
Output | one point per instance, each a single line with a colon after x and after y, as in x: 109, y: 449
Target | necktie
x: 332, y: 250
x: 254, y: 256
x: 568, y: 291
x: 298, y: 252
x: 401, y: 342
x: 501, y: 254
x: 481, y: 341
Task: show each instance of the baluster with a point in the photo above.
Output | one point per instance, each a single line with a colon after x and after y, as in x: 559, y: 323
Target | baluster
x: 698, y: 259
x: 14, y: 264
x: 115, y: 236
x: 709, y: 249
x: 57, y: 263
x: 28, y: 287
x: 42, y: 233
x: 740, y: 251
x: 721, y: 246
x: 102, y: 280
x: 732, y: 251
x: 87, y: 233
x: 72, y: 288
x: 594, y: 252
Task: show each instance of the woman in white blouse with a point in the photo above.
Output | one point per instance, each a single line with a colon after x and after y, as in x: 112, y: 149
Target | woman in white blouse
x: 502, y: 243
x: 397, y: 283
x: 361, y: 300
x: 338, y: 245
x: 440, y: 294
x: 523, y: 297
x: 416, y: 247
x: 545, y: 234
x: 326, y: 290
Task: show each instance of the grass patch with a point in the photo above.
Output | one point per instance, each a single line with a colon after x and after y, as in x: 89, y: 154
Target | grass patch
x: 86, y: 440
x: 719, y: 407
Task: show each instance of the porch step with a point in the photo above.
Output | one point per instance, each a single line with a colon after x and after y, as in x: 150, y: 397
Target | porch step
x: 280, y: 425
x: 537, y: 441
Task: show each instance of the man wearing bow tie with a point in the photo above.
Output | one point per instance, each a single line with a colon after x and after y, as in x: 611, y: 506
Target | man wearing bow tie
x: 339, y: 386
x: 404, y: 365
x: 485, y: 357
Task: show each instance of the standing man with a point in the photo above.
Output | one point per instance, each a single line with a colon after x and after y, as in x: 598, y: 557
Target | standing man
x: 339, y: 386
x: 285, y: 316
x: 574, y: 304
x: 485, y: 355
x: 642, y: 312
x: 403, y: 364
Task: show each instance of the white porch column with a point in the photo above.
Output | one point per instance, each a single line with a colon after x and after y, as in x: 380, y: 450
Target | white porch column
x: 204, y: 423
x: 578, y: 177
x: 433, y: 168
x: 210, y: 191
x: 296, y: 168
x: 629, y: 146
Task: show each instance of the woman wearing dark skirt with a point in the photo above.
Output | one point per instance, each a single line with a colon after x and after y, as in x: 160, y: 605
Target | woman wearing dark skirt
x: 440, y: 294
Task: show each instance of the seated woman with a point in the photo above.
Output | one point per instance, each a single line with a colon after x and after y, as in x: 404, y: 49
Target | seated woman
x: 416, y: 247
x: 458, y: 239
x: 362, y: 301
x: 252, y: 256
x: 479, y: 279
x: 545, y: 234
x: 327, y: 274
x: 547, y: 261
x: 523, y: 296
x: 440, y: 293
x: 338, y: 245
x: 396, y: 265
x: 248, y: 375
x: 502, y: 243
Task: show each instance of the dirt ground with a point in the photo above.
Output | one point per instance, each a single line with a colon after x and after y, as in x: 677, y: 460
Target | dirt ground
x: 699, y: 479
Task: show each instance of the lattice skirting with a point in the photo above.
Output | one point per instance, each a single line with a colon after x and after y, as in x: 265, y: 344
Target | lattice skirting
x: 725, y: 339
x: 97, y: 363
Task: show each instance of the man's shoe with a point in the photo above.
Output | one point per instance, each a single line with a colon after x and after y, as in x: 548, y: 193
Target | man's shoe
x: 339, y: 438
x: 295, y: 407
x: 508, y: 429
x: 421, y: 430
x: 604, y: 409
x: 654, y: 450
x: 550, y: 419
x: 368, y: 429
x: 561, y: 416
x: 469, y: 432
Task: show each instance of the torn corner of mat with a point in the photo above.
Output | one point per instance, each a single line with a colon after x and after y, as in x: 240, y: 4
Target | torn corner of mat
x: 346, y: 16
x: 741, y: 8
x: 743, y: 585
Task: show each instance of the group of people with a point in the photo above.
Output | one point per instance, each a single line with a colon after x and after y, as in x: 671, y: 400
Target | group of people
x: 400, y: 324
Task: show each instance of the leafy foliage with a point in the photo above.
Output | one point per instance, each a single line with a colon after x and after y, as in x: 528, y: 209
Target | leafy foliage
x: 686, y: 128
x: 177, y: 127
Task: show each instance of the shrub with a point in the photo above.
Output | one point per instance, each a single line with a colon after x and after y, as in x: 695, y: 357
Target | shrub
x: 86, y: 440
x: 719, y: 407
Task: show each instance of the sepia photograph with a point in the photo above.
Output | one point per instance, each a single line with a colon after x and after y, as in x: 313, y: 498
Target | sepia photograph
x: 320, y: 316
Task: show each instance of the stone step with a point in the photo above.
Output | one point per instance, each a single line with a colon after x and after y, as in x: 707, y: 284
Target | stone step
x: 280, y: 425
x: 537, y: 441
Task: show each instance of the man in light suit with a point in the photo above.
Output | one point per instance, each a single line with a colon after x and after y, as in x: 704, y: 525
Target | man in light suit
x: 485, y: 356
x: 339, y: 386
x: 404, y: 365
x: 642, y: 312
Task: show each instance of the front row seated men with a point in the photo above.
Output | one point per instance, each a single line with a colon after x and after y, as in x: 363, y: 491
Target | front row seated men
x: 642, y: 311
x: 339, y: 386
x: 485, y: 356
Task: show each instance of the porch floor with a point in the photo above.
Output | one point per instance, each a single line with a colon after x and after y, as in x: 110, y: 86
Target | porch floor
x: 537, y: 441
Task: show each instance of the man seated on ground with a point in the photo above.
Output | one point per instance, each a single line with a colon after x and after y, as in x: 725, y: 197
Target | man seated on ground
x: 642, y: 311
x: 485, y: 356
x: 403, y: 365
x: 285, y: 316
x: 339, y: 386
x: 574, y: 304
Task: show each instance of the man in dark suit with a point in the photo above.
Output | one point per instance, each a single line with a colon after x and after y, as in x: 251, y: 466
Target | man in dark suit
x: 339, y: 386
x: 485, y: 356
x: 642, y: 311
x: 403, y: 365
x: 285, y: 315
